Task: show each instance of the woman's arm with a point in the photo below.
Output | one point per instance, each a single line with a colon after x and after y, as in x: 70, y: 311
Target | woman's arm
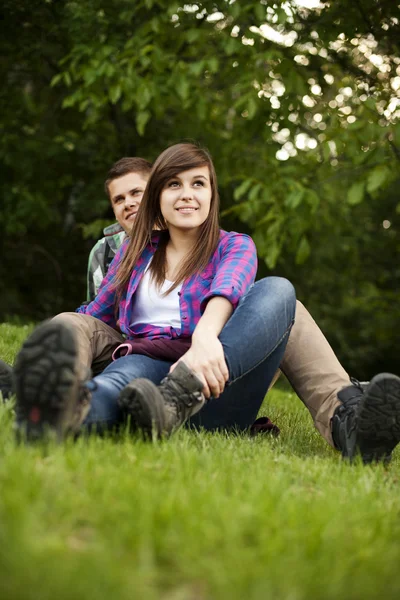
x: 235, y: 270
x: 206, y: 356
x: 235, y: 273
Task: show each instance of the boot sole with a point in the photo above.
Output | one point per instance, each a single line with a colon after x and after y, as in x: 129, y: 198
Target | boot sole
x: 378, y: 430
x: 45, y: 382
x: 142, y: 401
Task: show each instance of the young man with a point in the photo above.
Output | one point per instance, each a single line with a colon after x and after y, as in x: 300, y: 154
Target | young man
x: 351, y: 417
x: 124, y: 186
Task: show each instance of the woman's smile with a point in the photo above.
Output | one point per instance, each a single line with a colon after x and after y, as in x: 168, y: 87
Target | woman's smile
x: 186, y: 210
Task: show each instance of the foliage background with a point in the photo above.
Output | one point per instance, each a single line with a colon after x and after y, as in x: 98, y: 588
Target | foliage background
x: 299, y: 107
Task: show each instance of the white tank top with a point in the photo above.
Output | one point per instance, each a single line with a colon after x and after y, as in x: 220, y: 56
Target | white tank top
x: 151, y: 307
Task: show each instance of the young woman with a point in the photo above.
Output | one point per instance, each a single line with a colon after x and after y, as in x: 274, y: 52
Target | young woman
x: 184, y: 298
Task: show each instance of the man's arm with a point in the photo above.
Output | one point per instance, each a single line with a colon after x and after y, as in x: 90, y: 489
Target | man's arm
x: 103, y: 306
x: 95, y: 271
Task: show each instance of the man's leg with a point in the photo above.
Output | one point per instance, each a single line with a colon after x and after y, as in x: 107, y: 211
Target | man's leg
x: 95, y: 340
x: 51, y: 368
x: 313, y: 370
x: 53, y: 391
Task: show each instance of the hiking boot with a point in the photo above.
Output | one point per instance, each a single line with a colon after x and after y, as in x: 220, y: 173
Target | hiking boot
x: 160, y: 410
x: 51, y: 399
x: 368, y: 420
x: 6, y: 380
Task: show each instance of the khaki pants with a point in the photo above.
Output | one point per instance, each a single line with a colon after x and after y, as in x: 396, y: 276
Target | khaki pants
x: 313, y: 370
x: 96, y: 341
x: 309, y: 362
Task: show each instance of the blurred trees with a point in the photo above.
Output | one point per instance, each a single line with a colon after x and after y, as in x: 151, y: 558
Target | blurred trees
x: 299, y: 107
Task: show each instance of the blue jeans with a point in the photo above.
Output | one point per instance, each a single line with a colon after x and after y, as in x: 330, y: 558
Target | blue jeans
x: 254, y: 340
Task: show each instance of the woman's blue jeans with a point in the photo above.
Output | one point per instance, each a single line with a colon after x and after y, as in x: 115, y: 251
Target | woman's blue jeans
x: 254, y: 340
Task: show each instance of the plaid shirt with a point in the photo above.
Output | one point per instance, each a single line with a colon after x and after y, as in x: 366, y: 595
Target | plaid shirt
x: 101, y: 257
x: 229, y: 273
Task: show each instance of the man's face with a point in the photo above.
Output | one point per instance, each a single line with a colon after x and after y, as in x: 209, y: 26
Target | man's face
x: 126, y: 193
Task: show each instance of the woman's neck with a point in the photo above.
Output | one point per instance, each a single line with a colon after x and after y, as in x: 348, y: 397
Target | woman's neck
x: 182, y: 242
x: 179, y: 246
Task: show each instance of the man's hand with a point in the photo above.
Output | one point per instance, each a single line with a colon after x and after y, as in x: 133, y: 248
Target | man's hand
x: 206, y: 358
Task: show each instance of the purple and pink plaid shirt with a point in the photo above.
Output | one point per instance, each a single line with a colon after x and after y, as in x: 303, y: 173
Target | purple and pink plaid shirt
x: 229, y: 273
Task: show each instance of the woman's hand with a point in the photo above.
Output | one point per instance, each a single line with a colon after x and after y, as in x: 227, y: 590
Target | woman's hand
x: 206, y: 358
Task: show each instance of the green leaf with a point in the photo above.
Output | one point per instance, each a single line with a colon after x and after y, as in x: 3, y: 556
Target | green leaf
x: 201, y: 107
x: 197, y: 68
x: 272, y: 254
x: 356, y: 125
x: 147, y: 49
x: 68, y: 101
x: 115, y: 93
x: 141, y: 121
x: 270, y: 216
x: 183, y: 87
x: 193, y: 35
x: 355, y: 195
x: 282, y: 16
x: 213, y: 65
x: 376, y: 178
x: 56, y: 79
x: 254, y: 191
x: 242, y: 189
x: 235, y: 10
x: 252, y: 108
x: 143, y: 95
x: 231, y: 46
x: 303, y: 251
x: 259, y: 9
x: 84, y: 104
x: 294, y: 198
x: 312, y: 199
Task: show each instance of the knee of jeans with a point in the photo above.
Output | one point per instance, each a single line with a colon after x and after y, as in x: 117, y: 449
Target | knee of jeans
x: 280, y: 287
x: 121, y: 371
x: 281, y: 290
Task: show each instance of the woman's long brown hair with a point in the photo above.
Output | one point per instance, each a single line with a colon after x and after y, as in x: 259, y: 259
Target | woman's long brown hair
x: 172, y: 161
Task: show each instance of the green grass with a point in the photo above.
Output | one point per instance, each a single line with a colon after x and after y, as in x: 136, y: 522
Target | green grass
x: 200, y: 516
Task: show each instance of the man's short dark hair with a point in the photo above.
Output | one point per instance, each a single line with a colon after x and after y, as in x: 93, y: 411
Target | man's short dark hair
x: 123, y: 166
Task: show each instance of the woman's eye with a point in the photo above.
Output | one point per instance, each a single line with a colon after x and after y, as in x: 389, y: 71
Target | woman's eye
x: 173, y: 184
x: 199, y: 183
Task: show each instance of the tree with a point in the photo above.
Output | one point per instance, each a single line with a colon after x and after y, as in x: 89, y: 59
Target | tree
x: 298, y: 107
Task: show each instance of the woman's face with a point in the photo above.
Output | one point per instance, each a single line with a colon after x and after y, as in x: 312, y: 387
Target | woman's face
x: 186, y: 198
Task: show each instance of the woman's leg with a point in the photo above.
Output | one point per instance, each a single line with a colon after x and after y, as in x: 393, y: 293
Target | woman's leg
x: 254, y: 340
x: 105, y: 412
x: 238, y: 406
